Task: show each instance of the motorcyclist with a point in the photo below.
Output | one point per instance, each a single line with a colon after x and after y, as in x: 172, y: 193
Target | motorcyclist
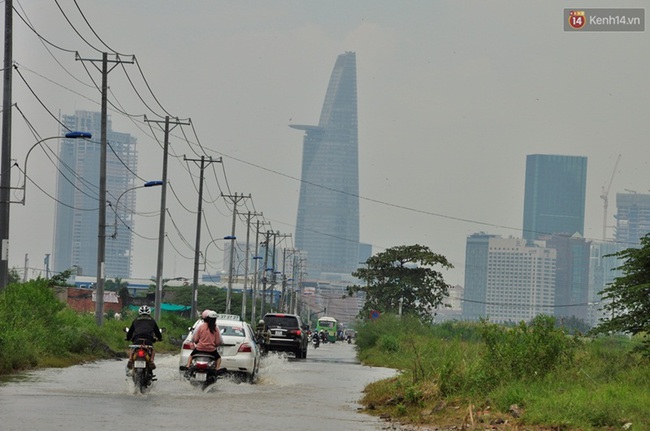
x: 144, y: 330
x: 315, y: 338
x: 263, y: 334
x: 207, y: 337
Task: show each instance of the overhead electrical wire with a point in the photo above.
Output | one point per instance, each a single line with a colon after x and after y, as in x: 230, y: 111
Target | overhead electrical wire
x: 93, y: 30
x: 74, y: 28
x: 38, y: 34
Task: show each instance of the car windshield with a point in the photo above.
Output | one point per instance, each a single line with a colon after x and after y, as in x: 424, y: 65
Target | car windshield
x: 281, y: 321
x: 235, y: 331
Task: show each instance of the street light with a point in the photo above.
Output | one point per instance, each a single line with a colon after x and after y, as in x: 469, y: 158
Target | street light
x: 117, y: 202
x: 69, y: 135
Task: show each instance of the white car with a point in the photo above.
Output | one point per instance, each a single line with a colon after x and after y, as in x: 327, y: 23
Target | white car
x: 240, y: 354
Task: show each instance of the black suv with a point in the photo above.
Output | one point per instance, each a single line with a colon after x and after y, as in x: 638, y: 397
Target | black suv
x: 287, y: 334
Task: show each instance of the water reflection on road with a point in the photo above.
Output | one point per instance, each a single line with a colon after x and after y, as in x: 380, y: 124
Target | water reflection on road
x: 319, y: 393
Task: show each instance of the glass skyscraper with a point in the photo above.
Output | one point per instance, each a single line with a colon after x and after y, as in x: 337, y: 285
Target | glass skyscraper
x: 554, y: 200
x: 632, y: 218
x: 77, y: 209
x: 327, y: 226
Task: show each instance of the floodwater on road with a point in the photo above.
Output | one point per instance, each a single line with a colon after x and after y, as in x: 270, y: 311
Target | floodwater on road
x: 318, y: 393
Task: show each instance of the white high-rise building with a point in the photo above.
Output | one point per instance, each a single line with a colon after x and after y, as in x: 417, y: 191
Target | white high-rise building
x: 516, y: 282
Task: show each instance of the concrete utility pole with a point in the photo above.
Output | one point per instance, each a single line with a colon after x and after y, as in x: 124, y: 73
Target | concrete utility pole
x: 264, y: 278
x: 257, y: 258
x: 163, y: 210
x: 274, y: 281
x: 101, y: 234
x: 199, y: 213
x: 5, y: 164
x: 243, y: 296
x: 235, y: 200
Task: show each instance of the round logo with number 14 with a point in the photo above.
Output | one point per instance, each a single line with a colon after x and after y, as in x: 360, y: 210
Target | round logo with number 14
x: 577, y: 19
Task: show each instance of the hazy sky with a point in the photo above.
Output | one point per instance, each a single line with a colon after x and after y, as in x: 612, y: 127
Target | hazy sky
x: 452, y: 97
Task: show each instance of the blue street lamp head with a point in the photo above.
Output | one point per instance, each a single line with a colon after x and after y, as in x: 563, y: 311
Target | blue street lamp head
x: 153, y: 183
x: 229, y: 237
x: 257, y: 257
x: 78, y: 135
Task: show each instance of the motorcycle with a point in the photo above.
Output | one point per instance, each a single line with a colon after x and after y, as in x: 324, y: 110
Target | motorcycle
x: 142, y: 373
x: 315, y: 339
x: 202, y: 370
x: 349, y: 338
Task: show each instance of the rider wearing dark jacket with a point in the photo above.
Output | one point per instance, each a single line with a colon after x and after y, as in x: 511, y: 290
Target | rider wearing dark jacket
x: 144, y: 329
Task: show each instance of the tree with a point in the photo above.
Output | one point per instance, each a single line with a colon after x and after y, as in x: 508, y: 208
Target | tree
x: 14, y: 276
x: 403, y: 276
x: 627, y: 298
x: 61, y: 279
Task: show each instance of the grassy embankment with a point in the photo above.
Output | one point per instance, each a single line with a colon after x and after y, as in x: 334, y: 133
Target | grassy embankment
x: 528, y: 377
x: 38, y: 330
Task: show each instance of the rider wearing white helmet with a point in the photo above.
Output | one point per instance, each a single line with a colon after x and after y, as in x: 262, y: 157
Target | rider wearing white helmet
x: 144, y: 329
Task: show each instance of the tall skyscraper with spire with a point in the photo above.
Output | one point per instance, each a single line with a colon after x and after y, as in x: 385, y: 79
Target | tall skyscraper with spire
x: 76, y: 226
x: 327, y: 226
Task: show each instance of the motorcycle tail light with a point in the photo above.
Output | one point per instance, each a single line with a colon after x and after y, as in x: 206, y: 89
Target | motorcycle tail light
x: 141, y: 353
x: 245, y: 348
x: 201, y: 365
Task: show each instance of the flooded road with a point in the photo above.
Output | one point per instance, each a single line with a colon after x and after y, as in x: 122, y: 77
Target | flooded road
x: 319, y: 393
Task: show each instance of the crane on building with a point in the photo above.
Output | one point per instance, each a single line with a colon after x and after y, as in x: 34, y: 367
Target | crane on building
x: 604, y: 196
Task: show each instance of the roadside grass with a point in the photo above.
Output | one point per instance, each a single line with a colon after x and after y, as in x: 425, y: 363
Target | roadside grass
x: 37, y: 330
x: 480, y: 374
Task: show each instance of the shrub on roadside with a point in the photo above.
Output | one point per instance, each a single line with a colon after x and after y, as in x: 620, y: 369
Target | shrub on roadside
x: 526, y: 351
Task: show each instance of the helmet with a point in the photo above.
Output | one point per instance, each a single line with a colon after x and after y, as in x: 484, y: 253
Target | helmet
x: 212, y: 315
x: 205, y: 313
x: 261, y: 322
x: 145, y: 309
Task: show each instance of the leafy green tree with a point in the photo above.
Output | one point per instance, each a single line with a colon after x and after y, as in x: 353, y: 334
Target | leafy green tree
x: 61, y: 279
x: 627, y: 299
x: 14, y: 276
x: 403, y: 276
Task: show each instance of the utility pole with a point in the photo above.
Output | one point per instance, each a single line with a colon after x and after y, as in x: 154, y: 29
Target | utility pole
x: 197, y: 247
x: 274, y: 277
x: 101, y: 234
x: 256, y: 271
x: 5, y: 164
x: 235, y: 200
x: 243, y: 296
x: 264, y: 278
x: 163, y: 210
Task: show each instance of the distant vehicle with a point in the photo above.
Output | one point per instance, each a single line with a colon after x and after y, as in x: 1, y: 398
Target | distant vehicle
x: 240, y: 354
x: 329, y: 325
x: 288, y: 334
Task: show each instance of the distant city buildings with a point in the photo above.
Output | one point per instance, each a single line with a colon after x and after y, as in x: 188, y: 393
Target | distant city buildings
x: 571, y: 276
x: 554, y: 199
x: 545, y: 272
x: 602, y: 272
x: 327, y: 226
x: 632, y: 218
x: 77, y: 208
x: 508, y: 281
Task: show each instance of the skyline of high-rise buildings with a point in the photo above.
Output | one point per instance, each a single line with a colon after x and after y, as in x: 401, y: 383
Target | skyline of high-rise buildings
x: 554, y: 197
x: 547, y: 270
x: 76, y: 213
x: 327, y: 224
